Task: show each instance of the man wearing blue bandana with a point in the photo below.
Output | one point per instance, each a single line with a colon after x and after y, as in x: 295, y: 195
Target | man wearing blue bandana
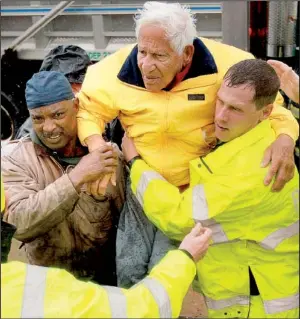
x: 45, y: 175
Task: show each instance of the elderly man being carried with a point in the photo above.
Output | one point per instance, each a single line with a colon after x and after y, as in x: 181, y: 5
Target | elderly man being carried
x: 163, y: 89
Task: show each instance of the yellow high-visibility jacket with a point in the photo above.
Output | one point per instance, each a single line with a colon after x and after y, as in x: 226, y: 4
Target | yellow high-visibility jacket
x: 29, y: 291
x: 252, y: 226
x: 169, y: 128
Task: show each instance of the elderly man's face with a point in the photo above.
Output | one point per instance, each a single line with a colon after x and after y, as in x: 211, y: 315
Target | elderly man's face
x: 56, y: 124
x: 157, y: 61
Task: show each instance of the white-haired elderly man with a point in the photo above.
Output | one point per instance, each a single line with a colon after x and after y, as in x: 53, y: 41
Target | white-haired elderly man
x: 163, y: 90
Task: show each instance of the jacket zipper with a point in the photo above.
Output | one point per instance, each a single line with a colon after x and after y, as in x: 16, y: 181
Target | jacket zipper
x: 206, y: 166
x: 58, y: 165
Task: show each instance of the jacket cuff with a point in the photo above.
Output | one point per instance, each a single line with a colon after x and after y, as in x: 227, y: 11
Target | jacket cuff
x: 187, y: 253
x: 130, y: 163
x: 136, y: 171
x: 71, y: 190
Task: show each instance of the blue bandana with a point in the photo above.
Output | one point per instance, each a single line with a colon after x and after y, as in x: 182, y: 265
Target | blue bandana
x: 46, y: 88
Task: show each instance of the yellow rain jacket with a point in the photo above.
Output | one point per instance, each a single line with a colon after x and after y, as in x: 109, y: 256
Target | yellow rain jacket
x: 169, y: 128
x: 29, y: 291
x: 252, y: 226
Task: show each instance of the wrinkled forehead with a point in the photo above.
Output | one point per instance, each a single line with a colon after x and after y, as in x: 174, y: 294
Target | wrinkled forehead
x: 52, y: 108
x: 153, y: 37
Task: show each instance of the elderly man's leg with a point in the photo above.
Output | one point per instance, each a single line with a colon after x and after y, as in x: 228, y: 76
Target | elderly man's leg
x: 135, y: 237
x: 161, y: 245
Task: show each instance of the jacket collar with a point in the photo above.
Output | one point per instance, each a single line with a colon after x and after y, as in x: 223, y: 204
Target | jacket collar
x: 220, y: 156
x: 203, y: 63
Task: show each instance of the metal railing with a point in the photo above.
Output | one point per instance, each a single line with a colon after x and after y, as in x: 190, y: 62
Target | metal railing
x: 40, y: 24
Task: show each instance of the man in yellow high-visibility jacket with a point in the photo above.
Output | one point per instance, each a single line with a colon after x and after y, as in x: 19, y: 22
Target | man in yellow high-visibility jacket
x: 163, y: 90
x: 29, y: 291
x: 252, y: 268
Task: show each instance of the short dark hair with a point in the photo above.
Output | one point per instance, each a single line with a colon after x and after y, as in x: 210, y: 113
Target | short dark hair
x: 259, y: 75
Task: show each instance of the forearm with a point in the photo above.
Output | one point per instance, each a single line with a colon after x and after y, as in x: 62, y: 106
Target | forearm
x: 164, y: 205
x: 173, y: 275
x: 94, y: 141
x: 35, y: 213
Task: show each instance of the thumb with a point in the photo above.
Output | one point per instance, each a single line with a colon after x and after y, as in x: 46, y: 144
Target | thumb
x: 267, y: 157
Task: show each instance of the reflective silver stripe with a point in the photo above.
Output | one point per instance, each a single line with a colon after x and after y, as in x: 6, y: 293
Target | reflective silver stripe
x: 278, y: 236
x: 229, y: 302
x: 160, y: 295
x: 34, y: 292
x: 145, y: 179
x: 281, y: 304
x: 117, y: 302
x: 200, y: 209
x: 200, y: 214
x: 218, y: 234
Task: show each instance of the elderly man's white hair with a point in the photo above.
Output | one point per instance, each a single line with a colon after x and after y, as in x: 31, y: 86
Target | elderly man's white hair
x: 176, y: 20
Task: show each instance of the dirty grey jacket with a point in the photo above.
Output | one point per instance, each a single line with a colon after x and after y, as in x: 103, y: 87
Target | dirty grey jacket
x: 59, y: 226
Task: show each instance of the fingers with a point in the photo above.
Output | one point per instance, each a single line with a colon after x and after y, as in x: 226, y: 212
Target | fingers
x: 206, y: 234
x: 110, y: 162
x: 196, y: 230
x: 283, y: 175
x: 94, y: 187
x: 105, y: 148
x: 105, y: 180
x: 108, y: 170
x: 103, y: 184
x: 271, y: 173
x: 278, y: 66
x: 273, y: 168
x: 267, y: 157
x: 88, y: 188
x: 114, y: 178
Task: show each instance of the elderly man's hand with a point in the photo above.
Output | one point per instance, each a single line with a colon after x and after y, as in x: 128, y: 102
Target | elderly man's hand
x: 98, y: 187
x: 280, y: 156
x: 289, y: 80
x: 128, y: 148
x: 94, y: 166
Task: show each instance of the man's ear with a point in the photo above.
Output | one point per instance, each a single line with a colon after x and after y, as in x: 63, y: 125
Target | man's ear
x: 266, y: 111
x: 188, y: 53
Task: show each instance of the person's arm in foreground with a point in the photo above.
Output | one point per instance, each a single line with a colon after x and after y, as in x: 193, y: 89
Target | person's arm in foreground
x: 159, y: 295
